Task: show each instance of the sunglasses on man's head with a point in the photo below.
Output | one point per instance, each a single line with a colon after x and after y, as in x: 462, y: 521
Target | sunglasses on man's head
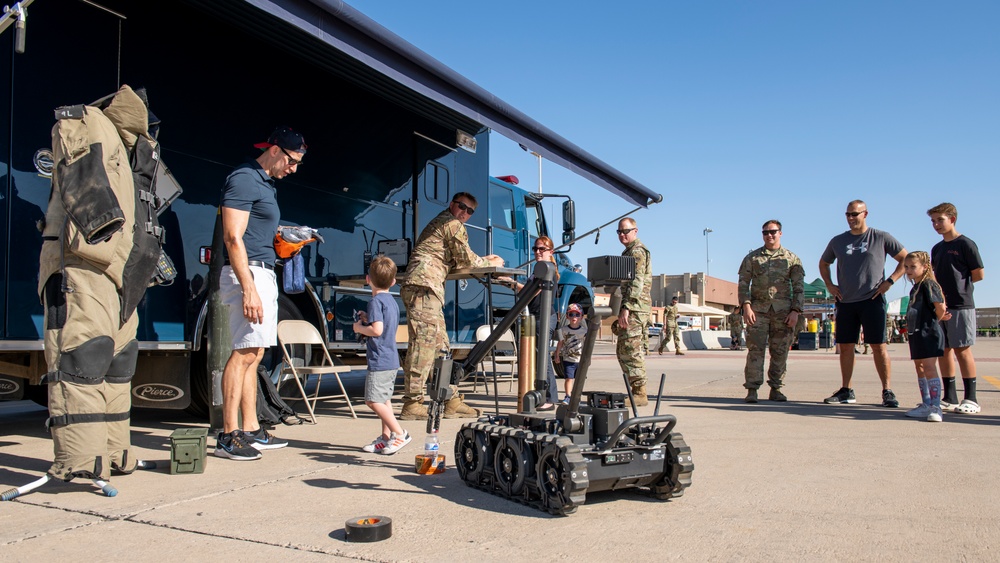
x: 466, y: 208
x: 854, y: 213
x: 625, y: 231
x: 770, y: 232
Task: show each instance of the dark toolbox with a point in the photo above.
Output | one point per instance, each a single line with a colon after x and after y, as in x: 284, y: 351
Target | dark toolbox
x: 187, y: 450
x: 808, y: 341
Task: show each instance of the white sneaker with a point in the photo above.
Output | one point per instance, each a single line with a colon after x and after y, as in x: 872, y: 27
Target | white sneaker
x: 396, y: 443
x: 921, y: 411
x: 935, y: 415
x: 968, y: 407
x: 377, y: 445
x: 948, y: 407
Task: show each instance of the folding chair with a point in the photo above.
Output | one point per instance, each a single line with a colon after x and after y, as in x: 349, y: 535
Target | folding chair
x: 505, y: 354
x: 291, y: 333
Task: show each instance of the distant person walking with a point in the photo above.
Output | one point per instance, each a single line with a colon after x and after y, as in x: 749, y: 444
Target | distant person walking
x: 735, y: 329
x: 957, y: 265
x: 772, y: 294
x: 925, y: 313
x: 670, y: 329
x: 860, y: 254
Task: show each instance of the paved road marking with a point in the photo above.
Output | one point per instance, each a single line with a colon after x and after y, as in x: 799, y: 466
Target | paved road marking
x: 994, y: 381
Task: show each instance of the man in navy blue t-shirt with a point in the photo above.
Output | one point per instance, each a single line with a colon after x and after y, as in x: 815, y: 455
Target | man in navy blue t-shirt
x: 957, y: 265
x: 249, y: 288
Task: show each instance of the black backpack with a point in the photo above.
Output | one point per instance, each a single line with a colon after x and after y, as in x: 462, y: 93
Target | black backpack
x: 271, y: 409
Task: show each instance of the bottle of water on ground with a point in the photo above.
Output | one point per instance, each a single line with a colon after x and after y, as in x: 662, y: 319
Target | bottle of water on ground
x: 431, y: 461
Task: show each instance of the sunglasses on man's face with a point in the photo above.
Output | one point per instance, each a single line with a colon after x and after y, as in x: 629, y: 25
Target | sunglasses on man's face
x: 571, y: 315
x: 292, y: 161
x: 625, y: 231
x: 854, y: 213
x: 466, y: 208
x: 770, y: 232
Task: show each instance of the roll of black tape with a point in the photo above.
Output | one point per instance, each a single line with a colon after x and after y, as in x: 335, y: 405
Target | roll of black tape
x: 368, y: 529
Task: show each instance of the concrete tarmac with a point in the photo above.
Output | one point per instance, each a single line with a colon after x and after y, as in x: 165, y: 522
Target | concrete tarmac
x: 773, y: 481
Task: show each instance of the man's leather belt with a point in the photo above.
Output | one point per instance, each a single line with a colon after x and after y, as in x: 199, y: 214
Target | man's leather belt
x: 257, y: 263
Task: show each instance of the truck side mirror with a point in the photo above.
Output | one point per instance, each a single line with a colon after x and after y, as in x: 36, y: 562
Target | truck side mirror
x: 569, y: 216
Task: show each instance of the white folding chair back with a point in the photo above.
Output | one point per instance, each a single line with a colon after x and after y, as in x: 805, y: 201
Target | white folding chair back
x: 291, y: 333
x: 504, y: 355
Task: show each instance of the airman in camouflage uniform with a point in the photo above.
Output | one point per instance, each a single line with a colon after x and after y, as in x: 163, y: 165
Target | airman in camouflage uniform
x: 771, y: 291
x: 735, y: 329
x: 670, y: 329
x: 443, y: 246
x: 634, y: 314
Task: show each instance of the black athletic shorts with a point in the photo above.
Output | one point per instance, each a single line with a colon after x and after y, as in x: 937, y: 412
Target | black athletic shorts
x: 870, y: 314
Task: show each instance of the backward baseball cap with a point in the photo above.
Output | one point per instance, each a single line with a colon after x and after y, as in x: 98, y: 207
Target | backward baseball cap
x: 286, y: 138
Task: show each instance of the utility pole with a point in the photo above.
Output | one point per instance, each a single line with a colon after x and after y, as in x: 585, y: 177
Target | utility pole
x: 707, y: 260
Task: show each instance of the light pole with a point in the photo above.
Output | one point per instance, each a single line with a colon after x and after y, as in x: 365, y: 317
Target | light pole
x: 707, y: 260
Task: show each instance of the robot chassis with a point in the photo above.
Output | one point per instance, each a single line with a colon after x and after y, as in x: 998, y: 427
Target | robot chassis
x: 550, y: 461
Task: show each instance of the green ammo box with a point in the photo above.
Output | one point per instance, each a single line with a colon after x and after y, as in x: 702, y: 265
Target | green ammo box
x: 187, y: 450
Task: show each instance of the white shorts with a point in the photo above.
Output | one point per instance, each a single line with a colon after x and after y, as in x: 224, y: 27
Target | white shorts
x: 243, y: 333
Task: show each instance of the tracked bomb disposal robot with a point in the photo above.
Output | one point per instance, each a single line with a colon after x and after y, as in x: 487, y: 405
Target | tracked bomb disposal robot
x: 552, y: 460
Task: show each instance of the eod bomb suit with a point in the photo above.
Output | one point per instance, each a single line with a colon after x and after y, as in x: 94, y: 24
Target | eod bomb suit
x: 101, y: 245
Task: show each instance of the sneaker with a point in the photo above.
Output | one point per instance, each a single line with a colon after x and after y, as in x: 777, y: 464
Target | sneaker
x: 396, y: 443
x: 263, y: 440
x: 234, y: 446
x: 377, y: 445
x: 948, y: 407
x: 776, y: 396
x: 565, y: 401
x: 843, y: 395
x: 889, y: 399
x: 751, y: 396
x: 920, y: 411
x: 968, y: 407
x: 934, y: 415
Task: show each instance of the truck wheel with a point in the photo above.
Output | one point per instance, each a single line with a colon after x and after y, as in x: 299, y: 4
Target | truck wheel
x: 38, y: 394
x: 201, y: 391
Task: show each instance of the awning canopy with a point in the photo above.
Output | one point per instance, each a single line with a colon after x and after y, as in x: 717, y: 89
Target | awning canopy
x: 327, y: 30
x: 816, y: 290
x: 713, y: 312
x: 898, y: 306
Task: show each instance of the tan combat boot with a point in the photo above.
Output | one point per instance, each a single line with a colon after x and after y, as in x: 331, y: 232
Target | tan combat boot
x: 456, y: 408
x: 639, y: 393
x: 679, y: 353
x: 776, y: 396
x: 413, y: 410
x: 751, y: 396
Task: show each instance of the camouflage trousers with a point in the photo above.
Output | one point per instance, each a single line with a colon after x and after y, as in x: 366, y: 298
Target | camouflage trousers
x: 631, y: 349
x: 668, y: 333
x: 428, y: 336
x: 771, y: 333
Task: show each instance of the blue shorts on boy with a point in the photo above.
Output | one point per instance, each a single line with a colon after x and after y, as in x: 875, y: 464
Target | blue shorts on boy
x: 569, y: 368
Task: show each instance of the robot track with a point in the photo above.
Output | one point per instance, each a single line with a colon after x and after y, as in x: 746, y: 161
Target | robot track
x: 545, y: 471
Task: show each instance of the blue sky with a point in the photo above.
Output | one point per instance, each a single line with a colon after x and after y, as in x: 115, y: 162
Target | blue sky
x: 739, y: 112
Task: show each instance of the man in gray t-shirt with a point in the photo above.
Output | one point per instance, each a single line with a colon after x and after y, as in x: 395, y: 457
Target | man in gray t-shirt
x: 860, y: 254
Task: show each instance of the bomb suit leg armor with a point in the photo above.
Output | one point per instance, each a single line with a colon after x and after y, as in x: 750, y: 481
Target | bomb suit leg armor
x: 100, y: 250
